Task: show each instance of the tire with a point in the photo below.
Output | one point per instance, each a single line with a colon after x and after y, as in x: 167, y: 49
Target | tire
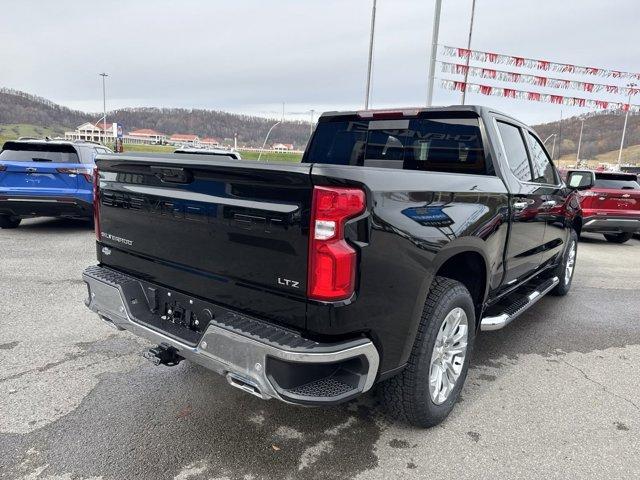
x: 408, y: 395
x: 562, y: 271
x: 7, y: 221
x: 618, y: 237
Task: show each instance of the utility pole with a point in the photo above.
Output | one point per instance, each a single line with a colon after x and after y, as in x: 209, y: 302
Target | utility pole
x: 373, y: 26
x: 466, y: 72
x: 579, y: 142
x: 434, y: 52
x: 560, y: 137
x: 104, y: 105
x: 624, y: 128
x: 311, y: 123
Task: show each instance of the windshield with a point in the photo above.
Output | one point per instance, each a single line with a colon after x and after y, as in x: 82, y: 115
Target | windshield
x: 35, y: 152
x: 432, y: 144
x: 616, y: 182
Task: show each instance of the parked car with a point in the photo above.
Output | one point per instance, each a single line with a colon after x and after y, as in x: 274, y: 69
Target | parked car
x: 216, y: 152
x: 46, y: 178
x: 610, y: 202
x: 376, y: 260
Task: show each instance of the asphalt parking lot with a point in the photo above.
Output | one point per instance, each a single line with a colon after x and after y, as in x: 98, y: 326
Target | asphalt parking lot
x: 554, y: 395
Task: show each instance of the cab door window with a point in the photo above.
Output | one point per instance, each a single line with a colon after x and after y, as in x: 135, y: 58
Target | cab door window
x: 516, y: 151
x: 544, y: 172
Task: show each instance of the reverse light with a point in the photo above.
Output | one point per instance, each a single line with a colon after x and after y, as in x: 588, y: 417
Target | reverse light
x: 332, y: 261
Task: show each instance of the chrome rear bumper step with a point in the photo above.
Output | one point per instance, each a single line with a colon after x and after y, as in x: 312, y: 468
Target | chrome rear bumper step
x: 255, y: 356
x: 501, y: 320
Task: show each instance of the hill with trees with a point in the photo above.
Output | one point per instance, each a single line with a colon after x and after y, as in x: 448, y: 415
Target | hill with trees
x: 601, y: 134
x: 22, y: 108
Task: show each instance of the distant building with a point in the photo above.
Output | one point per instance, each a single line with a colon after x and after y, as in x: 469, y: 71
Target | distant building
x: 151, y: 136
x: 282, y: 147
x: 184, y: 139
x: 92, y: 132
x: 210, y: 142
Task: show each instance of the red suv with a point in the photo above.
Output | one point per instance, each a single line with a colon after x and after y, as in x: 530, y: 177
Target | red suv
x: 610, y: 202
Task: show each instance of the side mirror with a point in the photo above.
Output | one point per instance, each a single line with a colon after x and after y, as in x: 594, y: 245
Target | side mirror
x: 580, y: 180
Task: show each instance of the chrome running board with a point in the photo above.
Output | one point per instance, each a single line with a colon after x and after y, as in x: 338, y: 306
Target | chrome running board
x: 503, y: 319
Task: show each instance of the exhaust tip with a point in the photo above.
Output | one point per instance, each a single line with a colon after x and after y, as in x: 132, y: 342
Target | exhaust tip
x: 245, y: 385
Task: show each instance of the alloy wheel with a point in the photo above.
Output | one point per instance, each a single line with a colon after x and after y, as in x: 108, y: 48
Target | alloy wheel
x: 448, y: 355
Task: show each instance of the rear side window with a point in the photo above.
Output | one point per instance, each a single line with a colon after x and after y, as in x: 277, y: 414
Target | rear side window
x: 38, y: 152
x: 617, y: 182
x: 516, y: 151
x: 545, y: 173
x: 430, y: 144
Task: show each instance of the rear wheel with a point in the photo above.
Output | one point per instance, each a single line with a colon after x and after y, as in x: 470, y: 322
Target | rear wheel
x: 618, y: 237
x: 7, y: 221
x: 425, y: 392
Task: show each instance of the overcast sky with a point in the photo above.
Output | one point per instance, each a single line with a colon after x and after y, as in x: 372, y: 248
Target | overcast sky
x: 248, y: 56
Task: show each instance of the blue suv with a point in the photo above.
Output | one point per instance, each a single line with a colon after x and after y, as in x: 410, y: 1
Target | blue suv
x: 46, y: 178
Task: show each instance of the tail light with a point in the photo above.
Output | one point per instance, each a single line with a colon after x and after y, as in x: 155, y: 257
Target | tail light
x: 587, y: 198
x: 332, y: 261
x: 86, y: 173
x: 96, y: 202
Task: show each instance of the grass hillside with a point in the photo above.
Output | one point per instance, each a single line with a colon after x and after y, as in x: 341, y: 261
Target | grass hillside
x: 12, y: 131
x: 630, y: 155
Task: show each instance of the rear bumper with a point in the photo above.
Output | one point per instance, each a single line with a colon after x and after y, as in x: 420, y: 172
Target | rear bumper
x: 43, y: 206
x: 255, y: 356
x: 602, y: 224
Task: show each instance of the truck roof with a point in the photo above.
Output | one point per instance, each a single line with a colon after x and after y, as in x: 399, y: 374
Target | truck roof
x: 479, y: 110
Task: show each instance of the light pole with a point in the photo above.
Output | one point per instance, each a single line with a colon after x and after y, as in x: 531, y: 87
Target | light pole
x: 631, y: 86
x: 434, y: 52
x: 553, y: 148
x: 466, y: 72
x: 579, y: 142
x: 104, y: 105
x: 370, y: 63
x: 311, y: 123
x: 267, y: 138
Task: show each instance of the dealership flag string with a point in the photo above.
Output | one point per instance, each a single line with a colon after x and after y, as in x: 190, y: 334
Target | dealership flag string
x: 535, y: 64
x: 537, y: 96
x: 541, y: 81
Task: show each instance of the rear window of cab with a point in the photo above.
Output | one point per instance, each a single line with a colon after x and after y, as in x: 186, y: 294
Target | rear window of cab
x: 429, y: 144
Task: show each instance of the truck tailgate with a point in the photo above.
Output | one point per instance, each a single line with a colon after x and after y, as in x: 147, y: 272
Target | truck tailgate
x: 234, y: 233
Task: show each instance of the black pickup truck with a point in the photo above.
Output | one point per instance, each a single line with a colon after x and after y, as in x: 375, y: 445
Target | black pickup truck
x: 377, y: 259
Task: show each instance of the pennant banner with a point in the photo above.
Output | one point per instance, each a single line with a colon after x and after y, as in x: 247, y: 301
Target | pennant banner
x: 514, y: 77
x: 537, y: 96
x: 535, y: 64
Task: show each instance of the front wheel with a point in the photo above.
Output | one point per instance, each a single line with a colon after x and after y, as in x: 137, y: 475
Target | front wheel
x: 618, y: 237
x: 425, y: 392
x: 7, y: 221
